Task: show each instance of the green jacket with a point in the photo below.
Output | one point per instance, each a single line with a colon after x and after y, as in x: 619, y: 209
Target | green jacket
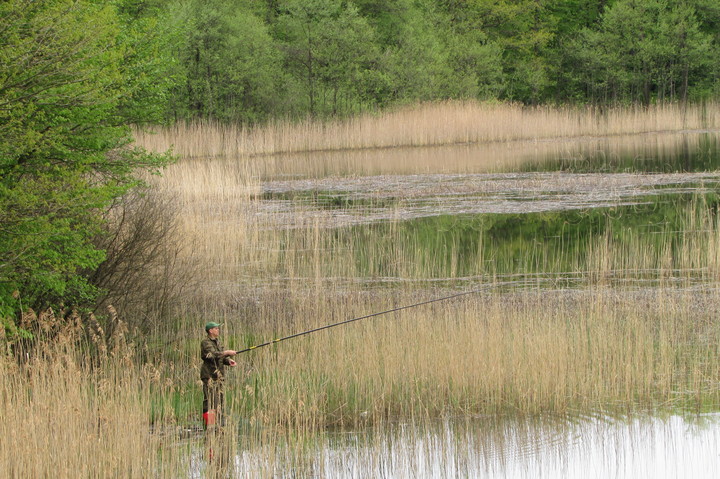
x: 213, y: 365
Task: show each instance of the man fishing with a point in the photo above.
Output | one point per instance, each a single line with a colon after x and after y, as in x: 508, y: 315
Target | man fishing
x: 214, y: 358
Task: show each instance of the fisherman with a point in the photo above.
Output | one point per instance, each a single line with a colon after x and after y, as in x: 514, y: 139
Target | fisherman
x: 214, y: 358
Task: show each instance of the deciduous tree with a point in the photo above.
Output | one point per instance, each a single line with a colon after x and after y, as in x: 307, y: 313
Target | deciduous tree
x: 73, y: 76
x: 327, y: 43
x: 642, y: 51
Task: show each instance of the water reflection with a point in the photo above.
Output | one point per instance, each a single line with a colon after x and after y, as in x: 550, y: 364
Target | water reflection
x: 580, y: 447
x: 647, y: 153
x: 650, y: 153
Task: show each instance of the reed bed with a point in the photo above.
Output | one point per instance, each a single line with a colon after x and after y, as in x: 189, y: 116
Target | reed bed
x: 430, y: 124
x: 529, y: 352
x: 241, y: 254
x: 518, y: 348
x: 585, y: 349
x: 591, y: 347
x: 520, y: 354
x: 63, y: 419
x: 227, y: 177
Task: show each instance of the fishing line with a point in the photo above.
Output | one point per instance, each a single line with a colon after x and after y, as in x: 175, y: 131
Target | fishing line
x: 444, y: 298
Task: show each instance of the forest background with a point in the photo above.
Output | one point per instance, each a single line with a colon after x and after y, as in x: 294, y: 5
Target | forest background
x: 77, y: 75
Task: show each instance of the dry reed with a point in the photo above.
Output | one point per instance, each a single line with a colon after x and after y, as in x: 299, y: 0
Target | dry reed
x: 526, y: 353
x: 62, y: 419
x: 428, y: 124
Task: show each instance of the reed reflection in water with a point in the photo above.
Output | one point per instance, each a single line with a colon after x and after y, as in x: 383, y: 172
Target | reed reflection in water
x: 584, y: 447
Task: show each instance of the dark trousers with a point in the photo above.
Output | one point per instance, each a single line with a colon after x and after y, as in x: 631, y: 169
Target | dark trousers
x: 213, y: 395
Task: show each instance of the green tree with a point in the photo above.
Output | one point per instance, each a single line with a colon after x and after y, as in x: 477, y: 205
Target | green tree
x: 476, y: 64
x: 425, y: 55
x: 73, y: 76
x: 643, y: 51
x: 327, y: 45
x: 231, y: 66
x: 417, y: 63
x: 572, y: 16
x: 521, y: 31
x: 708, y: 14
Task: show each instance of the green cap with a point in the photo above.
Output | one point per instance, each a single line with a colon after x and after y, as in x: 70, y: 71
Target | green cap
x: 211, y: 325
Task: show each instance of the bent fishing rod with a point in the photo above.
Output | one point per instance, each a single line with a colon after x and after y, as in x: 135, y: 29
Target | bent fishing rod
x: 328, y: 326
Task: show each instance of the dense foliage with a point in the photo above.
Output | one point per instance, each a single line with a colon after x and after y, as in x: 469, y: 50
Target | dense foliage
x: 73, y: 76
x: 248, y: 61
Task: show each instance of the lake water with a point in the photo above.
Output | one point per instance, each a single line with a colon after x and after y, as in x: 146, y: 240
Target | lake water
x: 336, y: 189
x: 572, y: 447
x: 549, y: 206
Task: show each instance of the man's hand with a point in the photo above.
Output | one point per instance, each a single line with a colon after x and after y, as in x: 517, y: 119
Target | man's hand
x: 229, y: 352
x: 232, y: 363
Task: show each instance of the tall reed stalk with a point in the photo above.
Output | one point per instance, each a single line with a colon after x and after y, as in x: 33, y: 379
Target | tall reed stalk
x: 524, y: 353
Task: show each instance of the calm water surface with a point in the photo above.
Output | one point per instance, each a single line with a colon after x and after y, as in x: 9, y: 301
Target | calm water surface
x: 338, y: 189
x: 580, y: 447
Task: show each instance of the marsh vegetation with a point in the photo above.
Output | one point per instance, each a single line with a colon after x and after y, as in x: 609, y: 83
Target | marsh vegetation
x: 554, y: 161
x: 595, y: 262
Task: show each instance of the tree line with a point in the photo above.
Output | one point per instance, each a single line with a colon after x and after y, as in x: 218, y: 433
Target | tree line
x: 76, y: 74
x: 249, y: 61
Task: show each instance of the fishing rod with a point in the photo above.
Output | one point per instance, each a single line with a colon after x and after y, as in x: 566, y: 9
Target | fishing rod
x: 328, y: 326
